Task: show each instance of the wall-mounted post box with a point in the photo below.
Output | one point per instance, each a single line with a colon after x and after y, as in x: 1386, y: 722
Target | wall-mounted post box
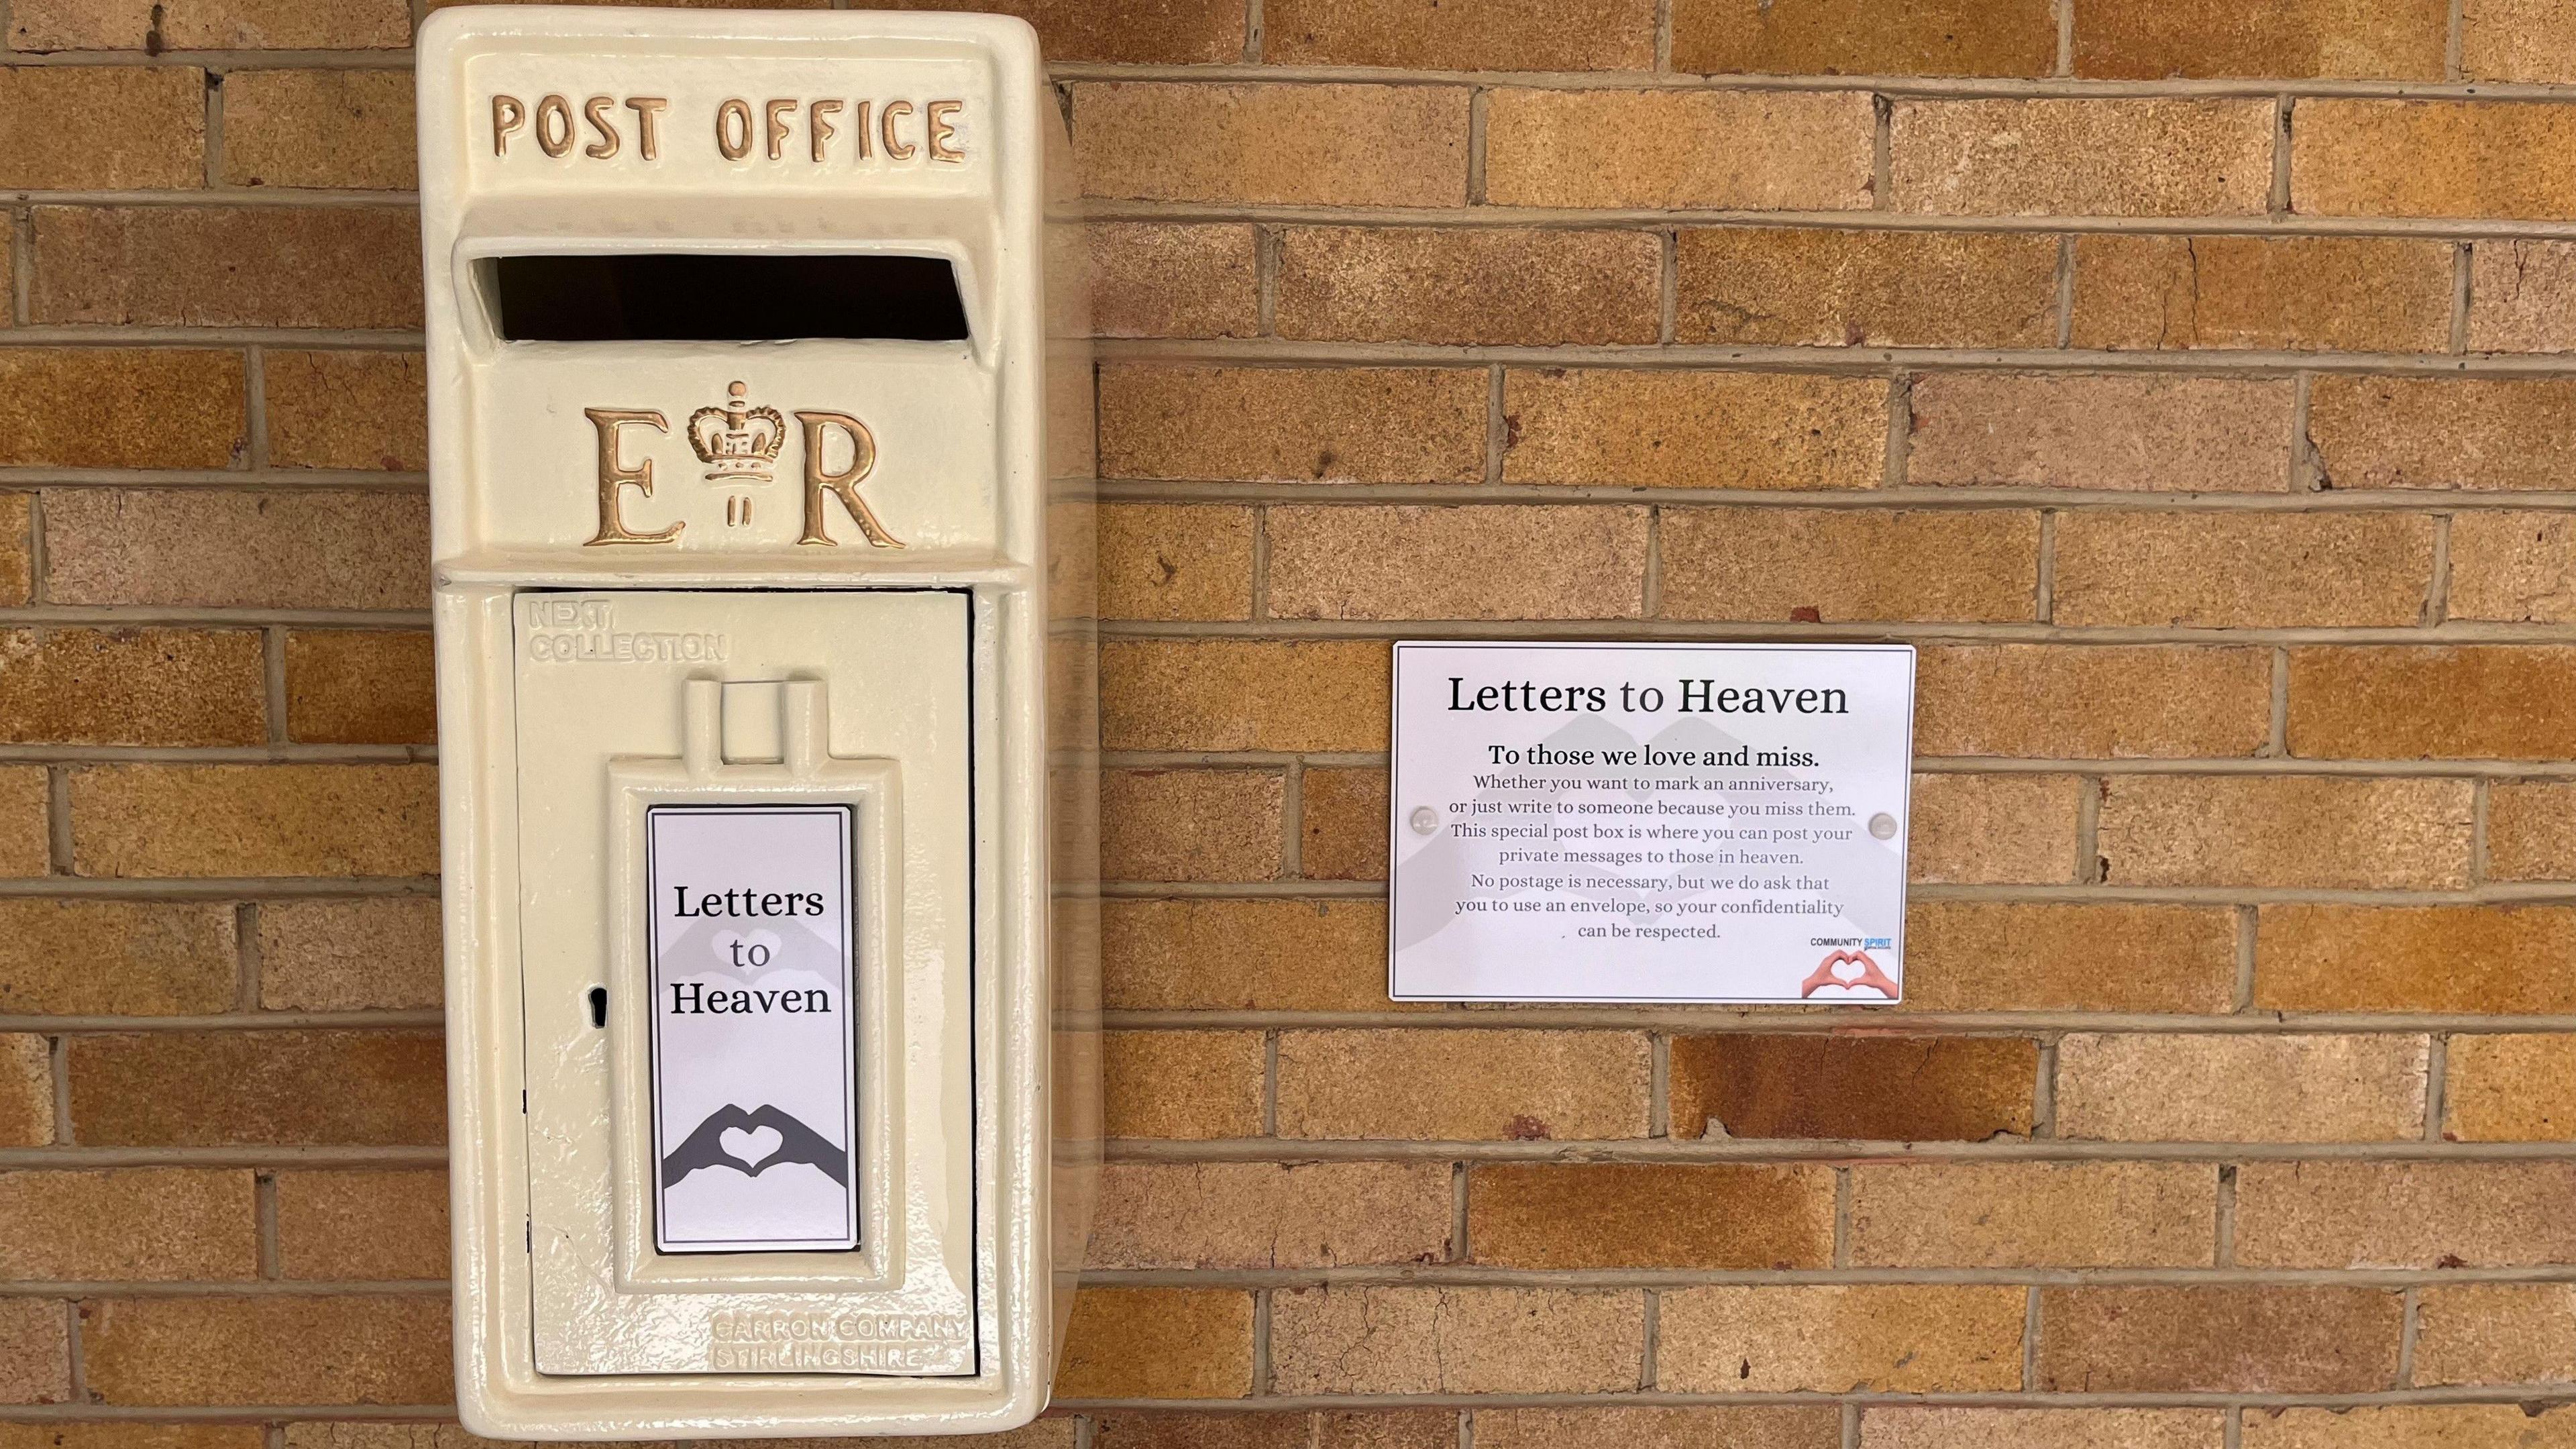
x: 765, y: 717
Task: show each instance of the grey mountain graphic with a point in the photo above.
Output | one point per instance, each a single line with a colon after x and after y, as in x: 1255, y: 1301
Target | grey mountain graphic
x: 796, y: 1143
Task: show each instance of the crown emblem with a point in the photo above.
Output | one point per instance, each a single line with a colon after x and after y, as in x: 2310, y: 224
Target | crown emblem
x: 737, y: 442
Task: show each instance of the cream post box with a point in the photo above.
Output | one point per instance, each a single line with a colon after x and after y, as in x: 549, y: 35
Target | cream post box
x: 758, y: 414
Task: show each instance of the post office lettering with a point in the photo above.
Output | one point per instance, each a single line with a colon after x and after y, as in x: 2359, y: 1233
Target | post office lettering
x: 890, y: 131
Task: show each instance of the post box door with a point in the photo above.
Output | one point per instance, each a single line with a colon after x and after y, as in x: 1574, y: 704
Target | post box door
x: 746, y: 907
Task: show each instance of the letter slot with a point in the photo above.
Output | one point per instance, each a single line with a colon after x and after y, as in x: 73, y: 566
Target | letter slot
x: 760, y: 519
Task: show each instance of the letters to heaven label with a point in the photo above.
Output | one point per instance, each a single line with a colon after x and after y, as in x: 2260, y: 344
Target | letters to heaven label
x: 755, y: 1046
x: 1650, y: 822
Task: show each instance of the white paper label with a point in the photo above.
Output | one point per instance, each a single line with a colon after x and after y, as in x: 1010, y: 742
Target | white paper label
x: 1650, y: 822
x: 755, y: 1055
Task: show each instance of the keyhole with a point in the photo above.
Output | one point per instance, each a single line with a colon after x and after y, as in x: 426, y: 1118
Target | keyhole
x: 599, y: 1006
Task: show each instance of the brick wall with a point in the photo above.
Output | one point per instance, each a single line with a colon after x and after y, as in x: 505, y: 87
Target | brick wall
x: 2194, y: 382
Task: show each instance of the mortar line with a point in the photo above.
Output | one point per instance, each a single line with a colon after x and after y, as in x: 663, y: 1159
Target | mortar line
x: 58, y: 1069
x: 273, y: 677
x: 2437, y: 1080
x: 2043, y: 1093
x: 214, y: 123
x: 1466, y: 1428
x: 246, y: 961
x: 1292, y: 821
x: 1498, y: 437
x: 271, y: 1258
x: 2223, y: 1219
x: 1646, y: 1370
x: 1882, y: 147
x: 1850, y: 1411
x: 255, y: 408
x: 1663, y: 61
x: 213, y: 754
x: 2248, y: 941
x: 97, y: 1158
x: 58, y: 824
x: 2065, y: 285
x: 22, y: 263
x: 1460, y: 1248
x: 1925, y: 497
x: 2030, y: 1327
x: 1270, y: 1083
x: 1267, y: 243
x: 2463, y: 281
x: 1668, y: 303
x: 2535, y: 893
x: 2437, y: 589
x: 1260, y: 605
x: 2481, y: 813
x: 1651, y: 587
x: 1731, y: 1149
x: 1256, y: 32
x: 1875, y: 360
x: 1477, y: 102
x: 2410, y: 1315
x: 2044, y: 581
x: 1659, y: 1084
x: 1842, y: 1215
x: 2231, y: 1427
x: 1721, y: 1021
x: 2454, y: 39
x: 2088, y: 828
x: 1900, y: 431
x: 2276, y: 743
x: 2307, y: 471
x: 1085, y: 1436
x: 39, y: 555
x: 77, y: 1379
x: 1261, y: 1343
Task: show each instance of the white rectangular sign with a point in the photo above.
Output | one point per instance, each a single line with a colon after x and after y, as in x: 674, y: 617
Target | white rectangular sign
x: 1650, y: 822
x: 755, y: 1046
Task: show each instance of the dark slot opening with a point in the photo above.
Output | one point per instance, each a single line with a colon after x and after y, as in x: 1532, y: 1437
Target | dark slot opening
x: 599, y: 1006
x: 697, y: 297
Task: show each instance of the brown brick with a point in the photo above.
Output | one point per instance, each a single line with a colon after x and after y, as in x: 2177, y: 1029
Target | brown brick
x: 1181, y: 1084
x: 331, y: 128
x: 349, y: 955
x: 1878, y: 1338
x: 102, y: 128
x: 1271, y: 1215
x: 1830, y: 564
x: 360, y: 687
x: 2509, y: 1088
x: 1158, y: 1343
x: 288, y: 1088
x: 2362, y: 294
x: 198, y: 547
x: 1166, y: 32
x: 1231, y: 694
x: 1361, y: 1340
x: 1906, y: 1427
x: 129, y: 1434
x: 1993, y: 828
x: 2202, y: 434
x: 1336, y: 425
x: 120, y: 407
x: 2411, y: 432
x: 1153, y: 279
x: 1486, y: 562
x: 1714, y: 150
x: 169, y: 958
x: 261, y: 1350
x: 2090, y: 157
x: 2496, y: 1333
x: 2074, y: 956
x: 2502, y: 959
x: 2260, y: 1340
x: 1462, y: 1085
x: 2516, y: 40
x: 2317, y: 832
x: 227, y: 266
x: 2472, y: 702
x: 1175, y: 561
x: 2410, y: 1426
x: 1815, y: 1084
x: 366, y: 1226
x: 1426, y: 35
x: 46, y: 25
x: 2242, y: 570
x: 2404, y: 1214
x: 1630, y: 428
x: 1864, y: 37
x: 1532, y: 286
x: 347, y: 409
x: 2230, y: 1088
x: 2034, y: 1215
x: 132, y: 687
x: 1800, y: 287
x: 2342, y: 39
x: 1190, y: 825
x: 1641, y: 1215
x: 2522, y: 296
x: 2430, y: 158
x: 1747, y: 1426
x: 2052, y: 701
x: 254, y: 820
x: 35, y: 1351
x: 136, y: 1224
x: 1342, y: 824
x: 2519, y: 568
x: 26, y: 1102
x: 26, y: 846
x: 1318, y: 145
x: 1243, y: 955
x: 1329, y: 1429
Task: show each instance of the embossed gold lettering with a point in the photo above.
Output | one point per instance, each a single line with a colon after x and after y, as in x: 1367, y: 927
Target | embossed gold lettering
x: 595, y: 111
x: 554, y: 125
x: 935, y: 119
x: 895, y: 150
x: 615, y: 476
x: 648, y: 115
x: 844, y: 485
x: 733, y: 128
x: 776, y: 114
x: 818, y: 119
x: 509, y: 113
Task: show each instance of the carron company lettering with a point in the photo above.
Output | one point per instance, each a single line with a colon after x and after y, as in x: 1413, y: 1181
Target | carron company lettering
x: 855, y: 130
